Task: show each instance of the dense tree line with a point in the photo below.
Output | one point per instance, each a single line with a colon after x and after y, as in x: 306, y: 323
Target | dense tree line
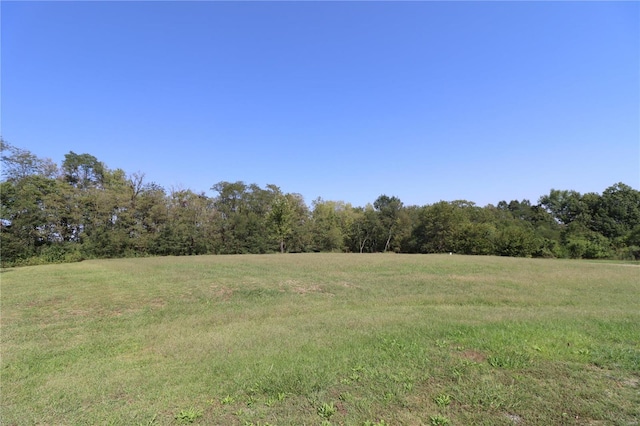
x: 82, y: 209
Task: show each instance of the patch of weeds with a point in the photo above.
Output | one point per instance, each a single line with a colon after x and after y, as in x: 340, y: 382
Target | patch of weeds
x: 457, y: 373
x: 326, y: 410
x: 392, y: 344
x: 345, y: 397
x: 356, y: 374
x: 439, y: 420
x: 189, y: 415
x: 255, y: 388
x: 251, y: 401
x: 491, y: 396
x: 228, y: 400
x: 442, y: 343
x: 509, y: 361
x: 380, y: 423
x: 443, y: 400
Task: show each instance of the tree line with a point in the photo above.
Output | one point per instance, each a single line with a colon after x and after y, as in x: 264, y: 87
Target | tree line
x: 82, y: 209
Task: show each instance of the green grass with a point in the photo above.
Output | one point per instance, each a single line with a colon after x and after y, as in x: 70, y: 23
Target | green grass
x: 312, y: 339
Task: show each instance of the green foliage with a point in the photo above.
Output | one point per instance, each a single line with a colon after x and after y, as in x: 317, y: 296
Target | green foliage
x: 188, y: 415
x: 443, y: 400
x: 581, y: 242
x: 280, y: 219
x: 509, y: 360
x: 83, y: 170
x: 517, y: 241
x: 439, y: 420
x: 327, y: 221
x: 326, y: 410
x: 228, y: 400
x: 85, y: 210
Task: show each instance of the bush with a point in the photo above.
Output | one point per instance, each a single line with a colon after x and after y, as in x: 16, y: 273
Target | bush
x: 589, y: 246
x: 628, y: 253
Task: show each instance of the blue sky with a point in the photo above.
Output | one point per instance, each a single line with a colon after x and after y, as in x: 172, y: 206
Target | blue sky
x: 427, y: 101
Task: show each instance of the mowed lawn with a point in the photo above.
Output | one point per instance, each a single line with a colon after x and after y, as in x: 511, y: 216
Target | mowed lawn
x: 312, y: 339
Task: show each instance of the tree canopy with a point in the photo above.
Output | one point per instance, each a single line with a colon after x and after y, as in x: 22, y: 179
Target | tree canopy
x: 83, y: 209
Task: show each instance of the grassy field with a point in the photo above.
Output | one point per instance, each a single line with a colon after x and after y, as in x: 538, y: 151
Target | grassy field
x: 312, y: 339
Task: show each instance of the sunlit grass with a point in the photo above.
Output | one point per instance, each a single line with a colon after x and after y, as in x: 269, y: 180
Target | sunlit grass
x: 306, y: 339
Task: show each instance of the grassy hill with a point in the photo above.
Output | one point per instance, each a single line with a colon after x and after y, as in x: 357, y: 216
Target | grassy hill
x: 321, y: 339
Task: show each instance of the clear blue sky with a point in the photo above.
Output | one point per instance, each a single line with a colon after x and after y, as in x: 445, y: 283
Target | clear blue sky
x: 427, y: 101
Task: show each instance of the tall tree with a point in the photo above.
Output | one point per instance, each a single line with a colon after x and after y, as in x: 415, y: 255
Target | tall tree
x: 18, y: 163
x: 151, y: 215
x: 300, y: 238
x: 439, y: 227
x: 617, y: 211
x: 24, y: 222
x: 83, y: 170
x: 366, y: 233
x: 280, y: 220
x: 327, y: 229
x: 565, y: 206
x: 389, y: 209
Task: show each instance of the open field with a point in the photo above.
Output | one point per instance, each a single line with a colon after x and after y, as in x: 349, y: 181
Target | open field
x: 311, y: 339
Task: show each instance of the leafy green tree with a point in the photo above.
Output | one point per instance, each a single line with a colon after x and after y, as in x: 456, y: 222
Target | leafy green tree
x: 517, y: 241
x: 329, y: 223
x: 229, y: 206
x: 477, y: 238
x: 579, y: 241
x: 280, y: 219
x: 439, y: 226
x: 151, y: 215
x: 188, y: 229
x: 566, y: 206
x: 108, y: 219
x: 24, y: 220
x: 300, y: 238
x: 242, y: 215
x: 83, y: 170
x: 65, y: 212
x: 389, y: 211
x: 366, y: 230
x: 616, y: 212
x: 18, y: 163
x: 631, y: 250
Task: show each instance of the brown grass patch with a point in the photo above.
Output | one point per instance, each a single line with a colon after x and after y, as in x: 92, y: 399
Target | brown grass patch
x: 302, y: 288
x: 222, y: 293
x: 474, y: 356
x: 313, y: 288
